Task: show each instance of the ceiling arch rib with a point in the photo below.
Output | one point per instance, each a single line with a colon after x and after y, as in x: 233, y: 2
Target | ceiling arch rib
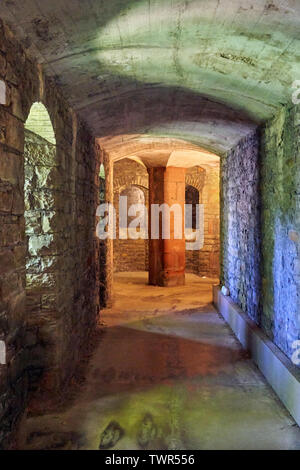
x: 156, y: 152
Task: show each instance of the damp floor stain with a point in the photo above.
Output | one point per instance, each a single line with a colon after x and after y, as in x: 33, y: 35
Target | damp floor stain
x: 167, y: 378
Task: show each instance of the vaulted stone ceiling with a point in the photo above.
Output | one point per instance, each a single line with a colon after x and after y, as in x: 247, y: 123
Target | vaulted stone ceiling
x: 206, y: 71
x: 153, y: 152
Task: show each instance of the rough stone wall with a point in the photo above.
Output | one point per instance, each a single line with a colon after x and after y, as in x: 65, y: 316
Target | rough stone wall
x: 82, y: 259
x: 75, y: 246
x: 281, y: 229
x: 261, y: 227
x: 43, y: 222
x: 240, y: 226
x: 206, y: 262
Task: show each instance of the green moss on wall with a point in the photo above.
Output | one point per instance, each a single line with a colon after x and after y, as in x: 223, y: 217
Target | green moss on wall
x: 280, y: 190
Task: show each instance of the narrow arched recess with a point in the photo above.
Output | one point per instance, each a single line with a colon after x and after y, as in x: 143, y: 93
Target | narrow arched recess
x: 131, y: 181
x: 40, y: 184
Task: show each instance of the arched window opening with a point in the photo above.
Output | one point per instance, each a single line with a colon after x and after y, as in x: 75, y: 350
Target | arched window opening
x: 134, y: 195
x: 102, y: 184
x: 40, y: 184
x: 2, y: 92
x: 192, y: 199
x: 102, y: 172
x: 39, y: 123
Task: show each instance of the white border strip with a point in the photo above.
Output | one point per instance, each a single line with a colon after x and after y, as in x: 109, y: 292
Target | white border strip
x: 278, y: 370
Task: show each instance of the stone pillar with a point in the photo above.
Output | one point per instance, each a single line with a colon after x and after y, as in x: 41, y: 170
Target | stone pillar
x: 106, y: 246
x: 166, y: 256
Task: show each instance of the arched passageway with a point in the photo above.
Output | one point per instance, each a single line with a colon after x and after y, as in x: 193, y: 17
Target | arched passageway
x: 41, y: 184
x: 131, y: 164
x: 201, y: 192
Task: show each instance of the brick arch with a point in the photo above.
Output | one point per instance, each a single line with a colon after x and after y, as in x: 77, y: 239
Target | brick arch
x: 195, y: 180
x: 122, y: 182
x: 119, y: 189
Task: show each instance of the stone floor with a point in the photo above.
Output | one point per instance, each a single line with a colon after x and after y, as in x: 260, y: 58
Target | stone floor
x: 167, y: 374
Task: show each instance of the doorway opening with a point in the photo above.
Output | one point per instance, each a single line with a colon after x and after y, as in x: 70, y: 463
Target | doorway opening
x: 202, y: 192
x: 40, y: 201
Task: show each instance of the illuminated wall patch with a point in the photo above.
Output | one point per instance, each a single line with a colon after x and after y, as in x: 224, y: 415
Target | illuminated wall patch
x: 2, y: 92
x: 2, y: 353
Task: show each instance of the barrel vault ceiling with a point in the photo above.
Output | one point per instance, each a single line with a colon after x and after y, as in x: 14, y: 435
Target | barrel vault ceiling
x: 207, y: 71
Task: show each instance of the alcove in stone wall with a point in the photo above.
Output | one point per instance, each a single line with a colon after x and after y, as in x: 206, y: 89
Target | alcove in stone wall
x: 40, y: 186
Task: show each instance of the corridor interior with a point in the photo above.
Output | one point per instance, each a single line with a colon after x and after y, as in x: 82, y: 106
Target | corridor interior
x: 167, y: 374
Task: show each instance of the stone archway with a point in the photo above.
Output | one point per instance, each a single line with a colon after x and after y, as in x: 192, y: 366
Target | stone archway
x: 40, y: 184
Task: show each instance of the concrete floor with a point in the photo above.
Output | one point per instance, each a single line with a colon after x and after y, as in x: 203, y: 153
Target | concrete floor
x: 167, y: 374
